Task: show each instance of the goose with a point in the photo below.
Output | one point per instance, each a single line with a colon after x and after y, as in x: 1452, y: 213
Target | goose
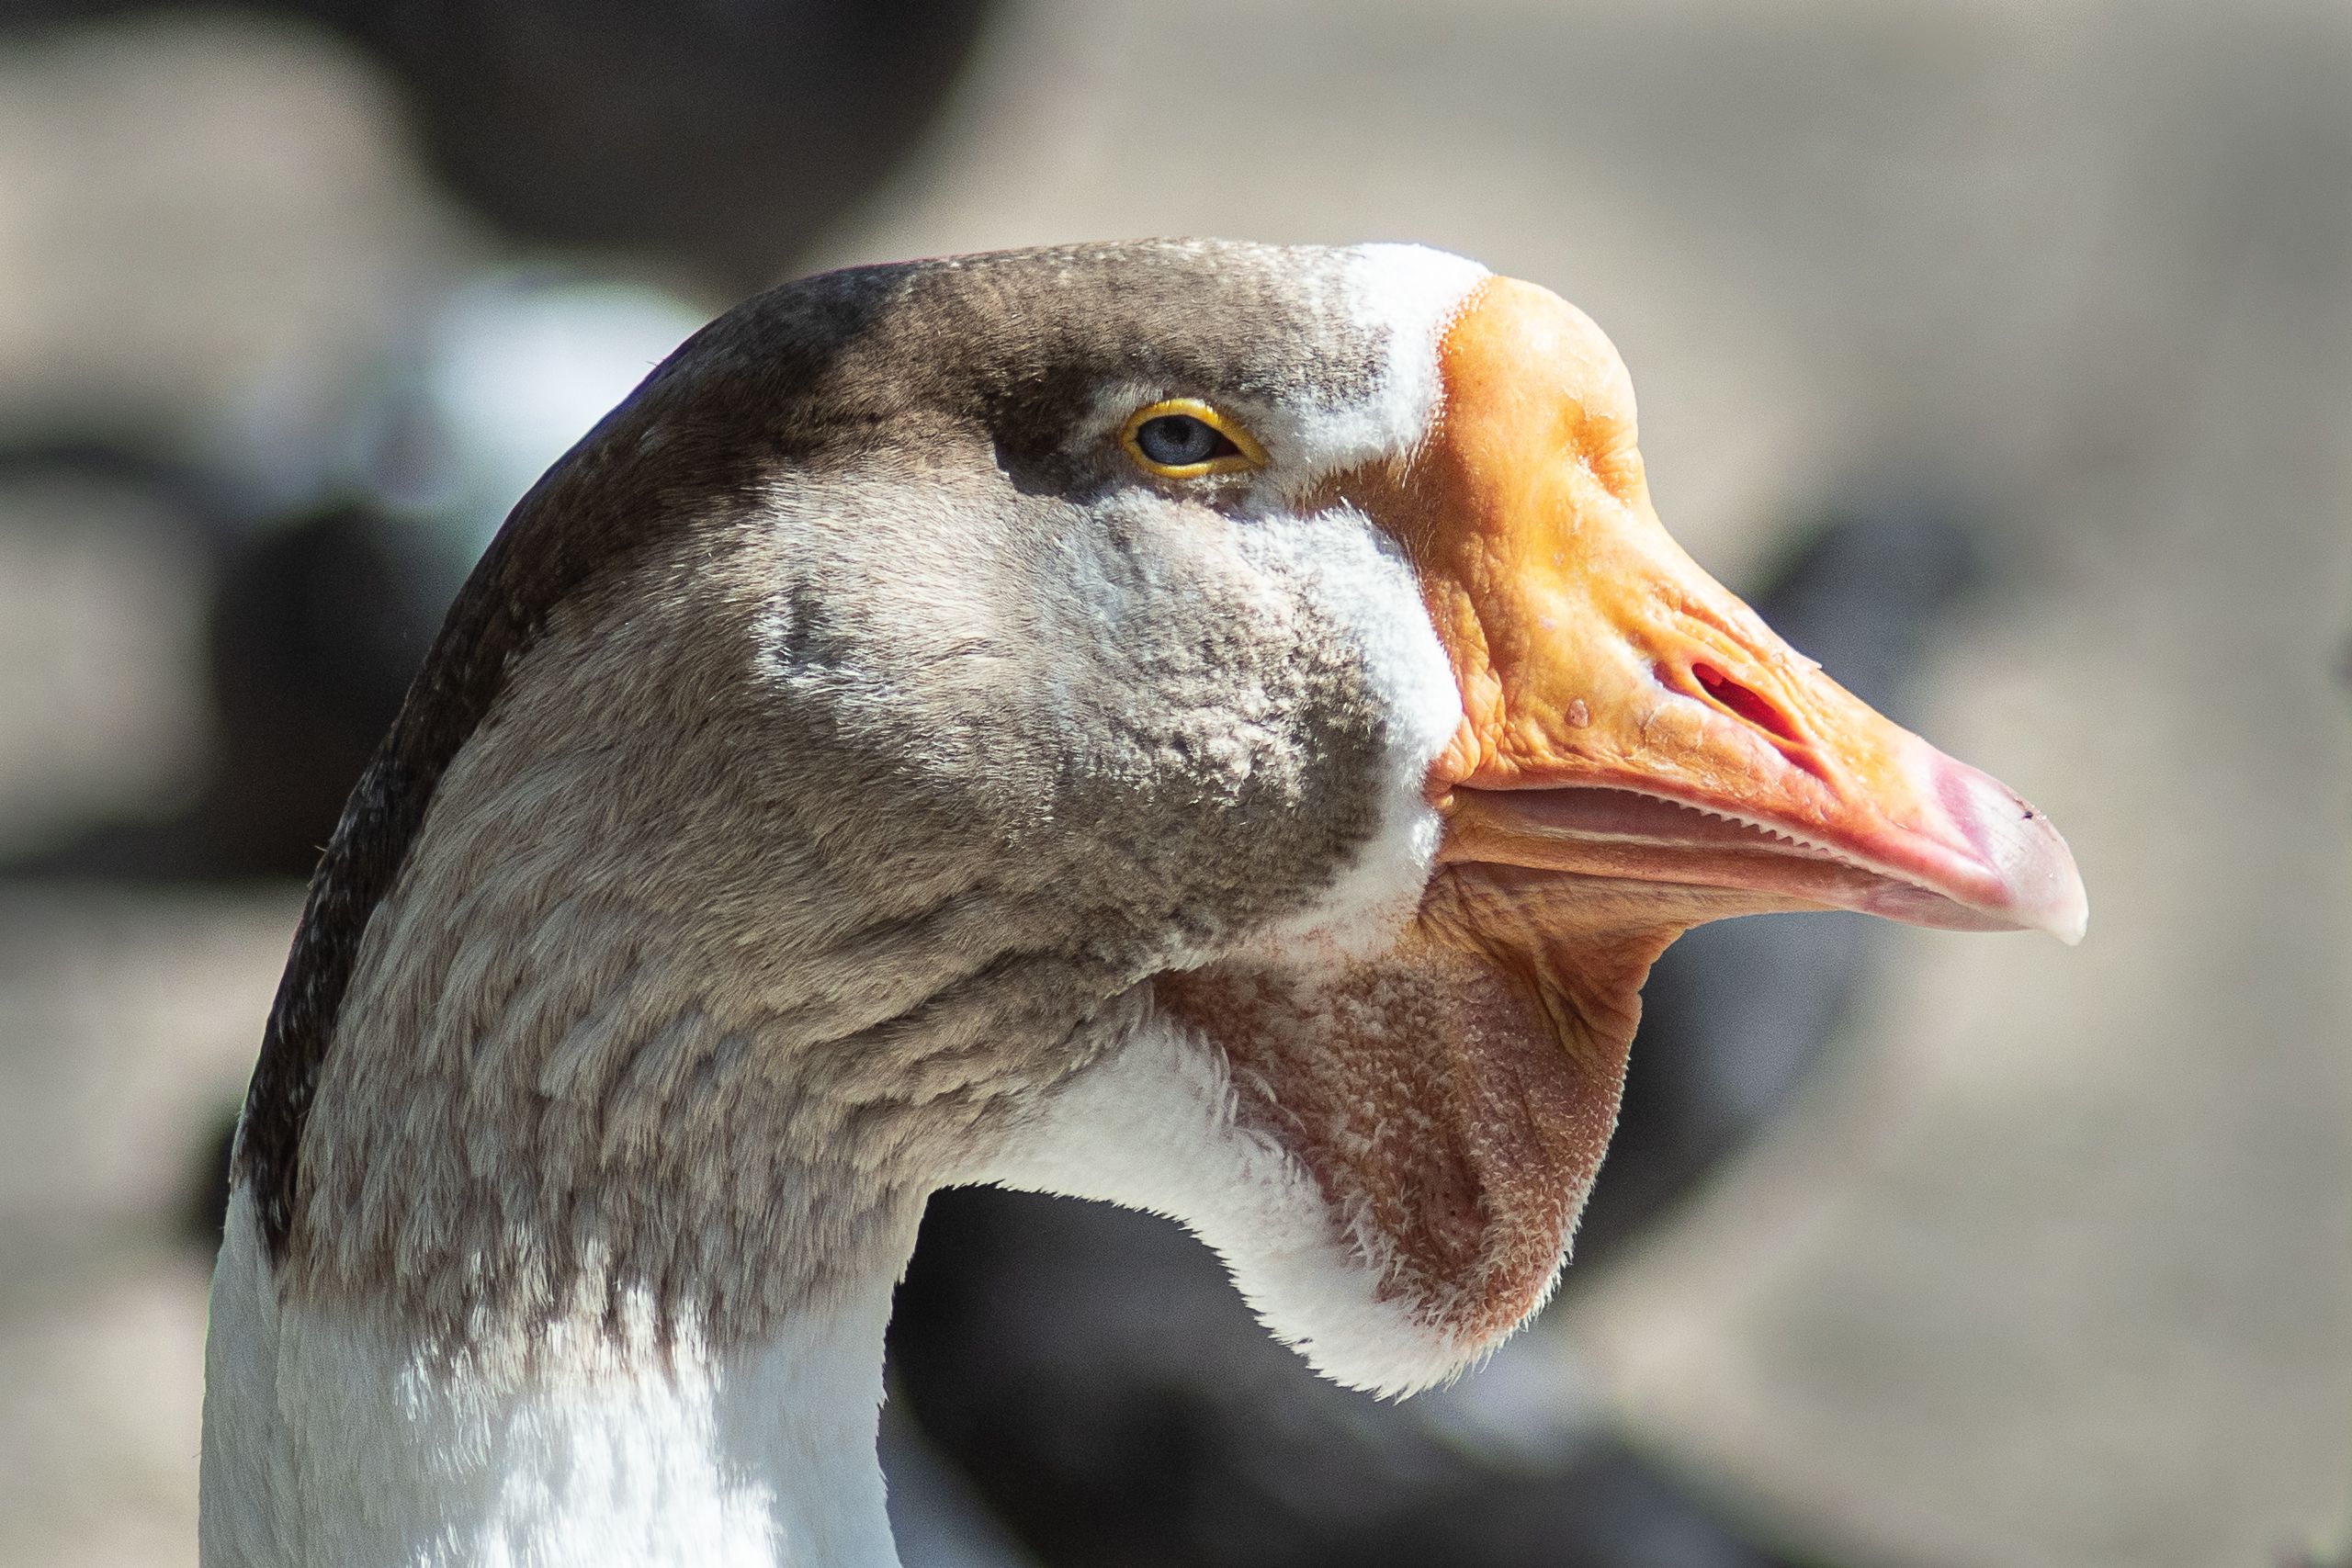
x: 1208, y: 727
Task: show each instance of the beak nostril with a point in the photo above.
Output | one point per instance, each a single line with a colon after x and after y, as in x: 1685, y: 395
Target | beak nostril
x: 1753, y: 706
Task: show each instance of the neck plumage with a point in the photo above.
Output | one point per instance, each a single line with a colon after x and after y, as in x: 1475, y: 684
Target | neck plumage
x: 579, y: 1285
x: 586, y: 1271
x: 617, y: 1152
x: 335, y: 1435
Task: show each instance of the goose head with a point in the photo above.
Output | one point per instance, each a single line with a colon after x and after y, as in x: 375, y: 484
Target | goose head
x: 1216, y: 728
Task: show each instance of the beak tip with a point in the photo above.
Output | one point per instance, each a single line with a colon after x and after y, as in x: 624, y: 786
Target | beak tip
x: 2045, y: 887
x: 2039, y: 885
x: 2068, y: 916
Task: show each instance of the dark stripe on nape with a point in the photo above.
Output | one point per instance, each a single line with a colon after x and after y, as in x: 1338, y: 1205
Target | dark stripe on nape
x: 687, y: 450
x: 497, y: 615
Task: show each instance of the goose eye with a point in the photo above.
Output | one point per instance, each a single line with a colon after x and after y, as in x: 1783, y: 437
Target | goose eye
x: 1178, y: 441
x: 1183, y: 437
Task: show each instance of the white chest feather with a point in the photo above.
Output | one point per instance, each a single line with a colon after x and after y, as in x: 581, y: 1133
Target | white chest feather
x: 331, y: 1444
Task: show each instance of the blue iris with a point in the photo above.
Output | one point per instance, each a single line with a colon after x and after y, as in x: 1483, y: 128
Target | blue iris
x: 1179, y: 441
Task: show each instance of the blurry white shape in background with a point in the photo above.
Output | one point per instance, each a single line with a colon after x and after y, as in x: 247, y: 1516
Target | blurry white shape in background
x: 513, y: 369
x: 458, y: 413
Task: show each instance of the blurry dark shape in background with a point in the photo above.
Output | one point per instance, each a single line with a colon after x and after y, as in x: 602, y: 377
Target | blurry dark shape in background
x: 723, y: 135
x: 715, y: 139
x: 314, y: 629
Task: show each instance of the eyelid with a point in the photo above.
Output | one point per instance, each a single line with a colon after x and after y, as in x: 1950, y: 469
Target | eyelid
x: 1250, y: 454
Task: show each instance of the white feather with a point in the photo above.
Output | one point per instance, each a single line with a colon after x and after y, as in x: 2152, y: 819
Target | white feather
x: 330, y: 1442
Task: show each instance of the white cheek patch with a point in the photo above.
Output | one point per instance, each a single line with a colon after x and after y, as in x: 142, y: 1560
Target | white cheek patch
x: 1414, y: 294
x: 1357, y: 578
x: 1360, y: 579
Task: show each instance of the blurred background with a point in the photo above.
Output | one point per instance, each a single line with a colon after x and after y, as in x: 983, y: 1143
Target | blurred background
x: 2002, y: 352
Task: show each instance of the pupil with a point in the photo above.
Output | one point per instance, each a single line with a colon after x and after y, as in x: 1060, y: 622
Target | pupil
x: 1177, y: 439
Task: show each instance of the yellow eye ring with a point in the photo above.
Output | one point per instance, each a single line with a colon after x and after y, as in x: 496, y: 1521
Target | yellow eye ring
x: 1237, y: 452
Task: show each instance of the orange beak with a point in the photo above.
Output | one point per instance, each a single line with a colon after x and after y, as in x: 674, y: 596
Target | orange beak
x: 1627, y: 719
